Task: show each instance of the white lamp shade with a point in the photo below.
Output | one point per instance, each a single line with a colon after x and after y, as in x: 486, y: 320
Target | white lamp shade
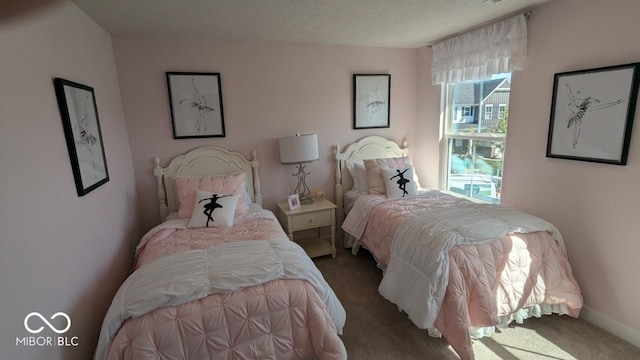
x: 299, y: 149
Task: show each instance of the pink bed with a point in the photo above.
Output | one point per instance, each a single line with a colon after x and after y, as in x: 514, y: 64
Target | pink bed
x: 423, y: 243
x: 288, y: 317
x: 488, y: 284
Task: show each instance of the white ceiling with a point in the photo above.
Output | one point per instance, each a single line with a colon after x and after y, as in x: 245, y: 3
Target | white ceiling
x: 378, y: 23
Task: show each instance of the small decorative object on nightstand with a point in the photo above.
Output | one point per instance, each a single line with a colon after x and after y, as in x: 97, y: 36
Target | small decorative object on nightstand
x: 319, y: 195
x: 312, y: 216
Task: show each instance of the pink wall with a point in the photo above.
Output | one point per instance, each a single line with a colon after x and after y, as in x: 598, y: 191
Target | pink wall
x: 269, y: 91
x: 426, y: 152
x: 594, y: 205
x: 58, y: 251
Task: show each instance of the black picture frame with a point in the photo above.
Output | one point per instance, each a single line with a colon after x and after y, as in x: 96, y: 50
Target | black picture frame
x: 83, y: 135
x: 195, y: 99
x: 371, y: 101
x: 592, y: 113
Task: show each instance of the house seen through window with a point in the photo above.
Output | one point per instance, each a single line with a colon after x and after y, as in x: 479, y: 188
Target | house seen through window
x: 475, y: 137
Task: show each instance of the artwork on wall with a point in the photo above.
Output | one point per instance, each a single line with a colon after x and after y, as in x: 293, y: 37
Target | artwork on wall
x: 196, y: 104
x: 81, y: 126
x: 371, y: 95
x: 592, y: 114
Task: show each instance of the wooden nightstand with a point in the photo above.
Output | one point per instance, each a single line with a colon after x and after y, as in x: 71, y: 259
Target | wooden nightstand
x: 311, y: 216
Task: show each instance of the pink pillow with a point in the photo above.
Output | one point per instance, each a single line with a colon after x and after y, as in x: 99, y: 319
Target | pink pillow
x: 374, y: 171
x: 227, y: 184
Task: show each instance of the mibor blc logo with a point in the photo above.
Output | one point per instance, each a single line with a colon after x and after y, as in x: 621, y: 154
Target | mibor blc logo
x: 31, y: 322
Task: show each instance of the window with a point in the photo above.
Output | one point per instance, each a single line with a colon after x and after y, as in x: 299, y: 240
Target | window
x: 502, y: 109
x: 474, y: 149
x: 462, y: 114
x: 488, y: 111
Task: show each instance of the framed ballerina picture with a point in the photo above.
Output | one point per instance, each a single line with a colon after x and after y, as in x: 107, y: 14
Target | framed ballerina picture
x: 81, y: 126
x: 371, y: 97
x: 196, y: 104
x: 592, y: 114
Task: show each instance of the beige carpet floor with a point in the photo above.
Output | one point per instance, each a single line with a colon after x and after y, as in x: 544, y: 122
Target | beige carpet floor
x: 376, y: 330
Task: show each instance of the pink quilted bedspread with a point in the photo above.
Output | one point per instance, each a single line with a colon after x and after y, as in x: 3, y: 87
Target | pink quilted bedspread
x: 281, y: 319
x: 257, y: 226
x: 385, y: 218
x: 486, y: 282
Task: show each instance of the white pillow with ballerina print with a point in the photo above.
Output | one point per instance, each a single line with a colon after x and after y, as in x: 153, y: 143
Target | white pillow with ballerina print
x: 213, y: 210
x: 399, y: 182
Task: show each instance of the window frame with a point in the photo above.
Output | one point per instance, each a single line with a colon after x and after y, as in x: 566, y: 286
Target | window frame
x: 447, y: 137
x: 490, y: 112
x: 502, y: 109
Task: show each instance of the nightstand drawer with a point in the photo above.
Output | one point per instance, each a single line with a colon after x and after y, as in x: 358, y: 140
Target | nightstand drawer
x: 306, y: 221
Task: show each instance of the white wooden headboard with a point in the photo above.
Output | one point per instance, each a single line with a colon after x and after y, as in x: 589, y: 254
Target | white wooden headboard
x: 204, y: 161
x: 371, y: 147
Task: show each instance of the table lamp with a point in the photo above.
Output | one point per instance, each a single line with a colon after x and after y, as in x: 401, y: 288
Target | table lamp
x: 300, y: 149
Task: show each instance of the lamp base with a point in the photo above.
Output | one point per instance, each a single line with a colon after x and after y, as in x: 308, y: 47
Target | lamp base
x: 306, y: 201
x: 302, y: 189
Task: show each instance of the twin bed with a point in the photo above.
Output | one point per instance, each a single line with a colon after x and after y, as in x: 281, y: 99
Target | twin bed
x: 457, y: 268
x: 231, y: 292
x: 245, y: 291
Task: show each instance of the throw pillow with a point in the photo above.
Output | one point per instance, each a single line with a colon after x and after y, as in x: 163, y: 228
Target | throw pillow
x: 213, y: 210
x: 399, y: 182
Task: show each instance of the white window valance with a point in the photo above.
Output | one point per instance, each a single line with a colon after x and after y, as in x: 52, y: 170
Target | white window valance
x: 500, y: 47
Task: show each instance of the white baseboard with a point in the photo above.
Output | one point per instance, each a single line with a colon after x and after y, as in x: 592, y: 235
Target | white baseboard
x: 622, y: 331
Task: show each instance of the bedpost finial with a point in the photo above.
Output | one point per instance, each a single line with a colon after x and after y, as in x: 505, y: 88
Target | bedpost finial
x: 404, y: 143
x: 157, y: 171
x: 254, y: 155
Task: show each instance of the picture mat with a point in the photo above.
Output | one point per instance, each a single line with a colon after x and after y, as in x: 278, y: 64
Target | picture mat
x: 602, y: 131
